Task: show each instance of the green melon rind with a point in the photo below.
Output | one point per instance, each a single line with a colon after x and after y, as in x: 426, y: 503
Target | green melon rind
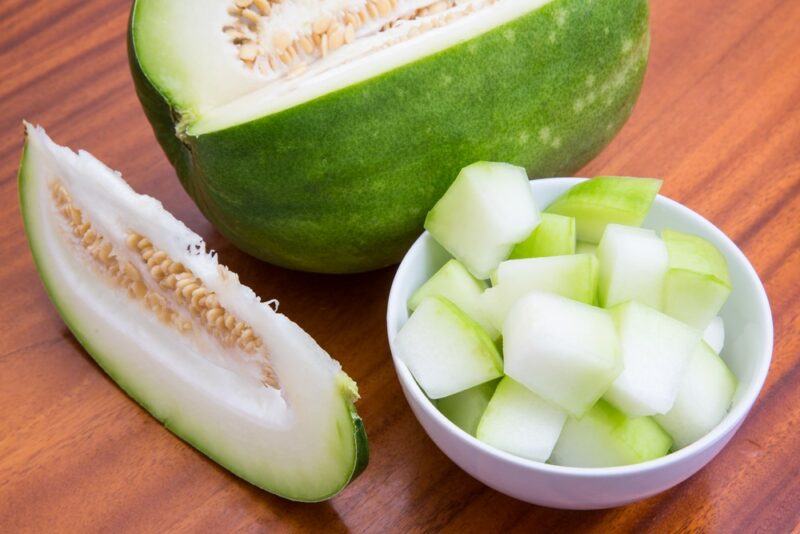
x: 292, y: 189
x: 189, y: 435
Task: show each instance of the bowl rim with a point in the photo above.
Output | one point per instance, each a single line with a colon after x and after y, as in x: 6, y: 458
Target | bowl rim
x: 728, y: 425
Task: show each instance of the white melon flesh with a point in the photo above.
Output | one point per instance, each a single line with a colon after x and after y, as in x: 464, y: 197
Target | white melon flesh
x: 714, y: 334
x: 457, y: 285
x: 485, y: 212
x: 605, y: 437
x: 633, y: 262
x: 582, y: 247
x: 565, y: 351
x: 655, y: 352
x: 520, y: 422
x: 445, y: 350
x: 574, y: 277
x: 179, y: 333
x: 703, y: 399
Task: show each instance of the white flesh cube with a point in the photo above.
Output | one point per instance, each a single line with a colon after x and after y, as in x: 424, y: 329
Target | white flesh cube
x: 565, y: 351
x: 445, y: 350
x: 714, y: 334
x: 633, y: 262
x: 574, y: 277
x: 655, y: 353
x: 457, y: 285
x: 520, y: 422
x: 703, y: 399
x: 485, y: 212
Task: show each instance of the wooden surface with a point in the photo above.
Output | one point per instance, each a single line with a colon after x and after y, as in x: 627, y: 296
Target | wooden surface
x: 718, y: 118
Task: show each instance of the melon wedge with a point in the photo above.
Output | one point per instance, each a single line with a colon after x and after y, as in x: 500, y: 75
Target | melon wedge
x: 178, y: 332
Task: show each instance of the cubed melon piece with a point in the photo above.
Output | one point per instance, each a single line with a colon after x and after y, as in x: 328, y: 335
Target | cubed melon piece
x: 655, y: 353
x: 520, y: 422
x: 455, y: 283
x: 703, y: 399
x: 554, y: 236
x: 606, y: 437
x: 697, y: 282
x: 565, y: 351
x: 466, y: 408
x: 487, y: 210
x: 574, y: 277
x: 445, y: 350
x: 714, y: 334
x: 603, y: 200
x: 633, y: 262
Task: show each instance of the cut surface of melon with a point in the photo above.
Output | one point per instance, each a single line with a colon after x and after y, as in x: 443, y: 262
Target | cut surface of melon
x: 485, y: 212
x: 445, y: 350
x: 714, y: 334
x: 179, y: 333
x: 554, y: 236
x: 466, y: 408
x: 520, y: 422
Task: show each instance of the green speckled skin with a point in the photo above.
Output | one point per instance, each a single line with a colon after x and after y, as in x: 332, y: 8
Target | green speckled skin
x: 342, y: 183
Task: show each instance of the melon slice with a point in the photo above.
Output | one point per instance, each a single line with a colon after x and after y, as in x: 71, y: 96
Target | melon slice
x: 574, y: 277
x: 605, y: 437
x: 633, y: 262
x: 445, y: 350
x: 703, y: 399
x: 520, y: 422
x: 179, y: 333
x: 565, y: 351
x: 554, y: 236
x: 486, y: 211
x: 466, y: 408
x: 697, y: 283
x: 655, y: 352
x: 714, y: 334
x: 457, y: 285
x: 604, y: 200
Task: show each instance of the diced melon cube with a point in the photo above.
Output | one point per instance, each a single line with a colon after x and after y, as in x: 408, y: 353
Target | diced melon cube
x: 520, y: 422
x: 604, y: 200
x: 633, y: 262
x: 445, y: 350
x: 466, y: 408
x: 574, y: 277
x: 714, y: 334
x: 703, y: 399
x: 565, y: 351
x: 555, y: 236
x: 457, y: 285
x: 488, y: 209
x: 605, y: 437
x: 655, y: 353
x: 697, y: 283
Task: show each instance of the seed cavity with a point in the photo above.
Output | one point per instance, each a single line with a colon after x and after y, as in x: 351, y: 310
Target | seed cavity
x: 166, y: 287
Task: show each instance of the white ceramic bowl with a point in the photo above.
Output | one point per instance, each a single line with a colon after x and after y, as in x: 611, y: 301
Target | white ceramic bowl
x: 748, y: 350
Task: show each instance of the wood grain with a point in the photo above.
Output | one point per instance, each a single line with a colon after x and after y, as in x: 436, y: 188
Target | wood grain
x: 718, y: 118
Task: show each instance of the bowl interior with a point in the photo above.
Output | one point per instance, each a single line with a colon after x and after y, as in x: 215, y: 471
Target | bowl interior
x: 746, y: 314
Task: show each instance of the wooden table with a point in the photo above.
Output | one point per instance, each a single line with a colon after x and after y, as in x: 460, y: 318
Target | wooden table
x: 719, y: 119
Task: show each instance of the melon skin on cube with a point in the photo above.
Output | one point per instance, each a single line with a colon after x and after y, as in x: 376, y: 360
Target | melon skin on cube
x: 466, y: 408
x: 565, y: 351
x: 574, y: 277
x: 633, y: 262
x: 520, y: 422
x: 604, y: 200
x: 554, y: 236
x: 445, y: 350
x: 485, y: 212
x: 605, y: 437
x: 655, y: 353
x: 703, y: 400
x: 697, y: 283
x: 455, y: 283
x: 714, y: 334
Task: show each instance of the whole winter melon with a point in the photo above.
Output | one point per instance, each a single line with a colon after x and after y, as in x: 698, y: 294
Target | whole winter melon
x: 316, y: 134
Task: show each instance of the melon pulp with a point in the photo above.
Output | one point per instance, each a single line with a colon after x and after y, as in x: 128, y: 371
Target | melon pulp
x: 326, y: 157
x: 177, y: 331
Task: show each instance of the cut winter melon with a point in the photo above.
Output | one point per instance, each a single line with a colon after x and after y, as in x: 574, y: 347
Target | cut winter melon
x: 179, y: 333
x: 605, y: 437
x: 317, y: 134
x: 466, y: 408
x: 714, y: 334
x: 697, y: 283
x: 604, y: 200
x: 554, y: 236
